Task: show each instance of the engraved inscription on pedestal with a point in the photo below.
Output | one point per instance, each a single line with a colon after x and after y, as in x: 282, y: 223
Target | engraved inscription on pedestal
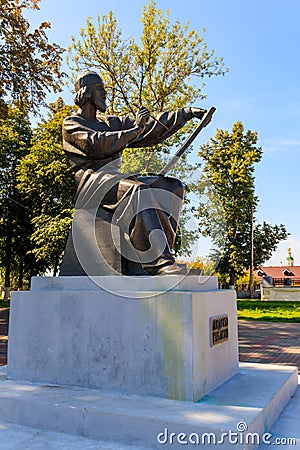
x: 218, y: 326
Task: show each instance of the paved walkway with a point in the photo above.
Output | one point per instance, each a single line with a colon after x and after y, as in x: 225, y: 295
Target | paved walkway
x: 4, y: 313
x: 270, y: 342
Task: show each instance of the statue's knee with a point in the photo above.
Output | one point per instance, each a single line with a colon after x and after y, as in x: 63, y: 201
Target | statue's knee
x: 177, y: 187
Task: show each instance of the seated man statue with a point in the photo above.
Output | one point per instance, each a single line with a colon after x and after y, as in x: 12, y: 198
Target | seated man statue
x: 94, y: 146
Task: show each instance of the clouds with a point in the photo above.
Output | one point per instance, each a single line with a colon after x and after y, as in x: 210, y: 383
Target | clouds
x: 272, y: 145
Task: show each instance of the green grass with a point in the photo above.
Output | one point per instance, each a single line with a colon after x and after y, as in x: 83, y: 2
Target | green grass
x: 273, y: 311
x: 256, y: 310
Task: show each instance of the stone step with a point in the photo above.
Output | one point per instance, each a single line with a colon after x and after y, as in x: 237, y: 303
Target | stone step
x: 251, y: 401
x: 18, y: 437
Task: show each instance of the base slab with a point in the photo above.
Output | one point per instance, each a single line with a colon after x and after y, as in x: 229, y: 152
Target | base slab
x: 251, y: 401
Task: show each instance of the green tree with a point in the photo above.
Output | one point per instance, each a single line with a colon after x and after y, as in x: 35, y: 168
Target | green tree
x: 15, y: 134
x: 30, y: 65
x: 266, y: 240
x: 155, y: 72
x: 45, y: 182
x: 229, y: 169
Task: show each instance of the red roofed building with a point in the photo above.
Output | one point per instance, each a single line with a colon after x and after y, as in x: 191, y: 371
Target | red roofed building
x: 279, y: 273
x: 280, y: 282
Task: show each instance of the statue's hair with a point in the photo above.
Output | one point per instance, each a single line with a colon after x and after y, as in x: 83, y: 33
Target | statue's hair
x: 83, y: 95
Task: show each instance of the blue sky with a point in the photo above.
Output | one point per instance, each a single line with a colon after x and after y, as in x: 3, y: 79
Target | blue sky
x: 259, y: 41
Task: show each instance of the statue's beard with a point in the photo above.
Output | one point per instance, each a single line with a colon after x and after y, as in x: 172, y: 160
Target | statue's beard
x: 100, y: 105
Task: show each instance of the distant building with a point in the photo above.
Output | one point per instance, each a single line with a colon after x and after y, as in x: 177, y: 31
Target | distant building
x: 279, y: 273
x: 280, y: 282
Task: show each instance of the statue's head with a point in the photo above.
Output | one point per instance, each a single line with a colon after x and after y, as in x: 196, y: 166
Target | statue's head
x: 89, y: 87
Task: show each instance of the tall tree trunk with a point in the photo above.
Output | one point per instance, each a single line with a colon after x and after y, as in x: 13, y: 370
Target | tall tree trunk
x: 231, y: 279
x: 251, y: 281
x: 8, y: 252
x: 21, y: 274
x: 55, y: 268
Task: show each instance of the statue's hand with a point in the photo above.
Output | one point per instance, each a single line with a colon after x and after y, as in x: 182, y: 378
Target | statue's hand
x: 142, y: 118
x: 198, y: 112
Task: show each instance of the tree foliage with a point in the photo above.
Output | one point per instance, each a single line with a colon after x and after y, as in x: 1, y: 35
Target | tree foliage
x: 15, y: 135
x: 30, y: 65
x: 46, y: 183
x: 266, y: 240
x: 229, y: 168
x: 156, y: 71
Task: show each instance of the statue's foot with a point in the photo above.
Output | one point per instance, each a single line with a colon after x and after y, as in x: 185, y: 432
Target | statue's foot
x: 171, y: 269
x: 165, y: 267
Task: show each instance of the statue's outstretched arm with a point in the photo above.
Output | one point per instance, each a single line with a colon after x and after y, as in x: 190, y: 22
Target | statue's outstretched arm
x: 169, y: 123
x: 97, y: 144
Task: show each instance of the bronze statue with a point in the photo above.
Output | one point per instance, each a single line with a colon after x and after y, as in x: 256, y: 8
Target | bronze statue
x: 94, y: 147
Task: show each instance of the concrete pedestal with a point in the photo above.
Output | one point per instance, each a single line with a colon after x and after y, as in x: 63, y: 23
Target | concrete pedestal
x: 71, y: 331
x: 143, y: 343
